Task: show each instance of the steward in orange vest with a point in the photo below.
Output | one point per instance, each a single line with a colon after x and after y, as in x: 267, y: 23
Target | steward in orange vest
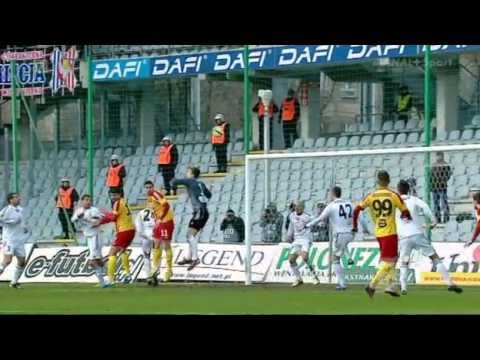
x: 167, y: 162
x: 65, y: 202
x: 259, y: 108
x: 115, y: 174
x: 289, y: 115
x: 220, y: 140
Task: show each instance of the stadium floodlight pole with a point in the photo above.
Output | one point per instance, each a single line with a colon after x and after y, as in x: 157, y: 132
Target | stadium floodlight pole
x: 266, y: 96
x: 427, y: 129
x: 248, y: 226
x: 13, y: 87
x: 90, y: 125
x: 246, y: 101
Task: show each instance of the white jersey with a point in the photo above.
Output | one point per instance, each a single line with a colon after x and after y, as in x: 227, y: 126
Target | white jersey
x: 407, y: 228
x: 144, y: 223
x: 14, y: 230
x: 339, y: 214
x: 87, y: 224
x: 298, y: 226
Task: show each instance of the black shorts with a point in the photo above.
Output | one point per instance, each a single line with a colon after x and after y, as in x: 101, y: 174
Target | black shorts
x: 199, y: 219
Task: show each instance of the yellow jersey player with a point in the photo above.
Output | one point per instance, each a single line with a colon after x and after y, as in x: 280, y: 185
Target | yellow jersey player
x: 162, y: 232
x: 125, y: 228
x: 382, y: 204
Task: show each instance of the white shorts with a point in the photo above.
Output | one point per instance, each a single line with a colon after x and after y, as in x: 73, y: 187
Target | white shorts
x: 147, y: 245
x: 341, y: 242
x: 15, y: 249
x: 94, y: 247
x: 300, y: 245
x: 416, y: 242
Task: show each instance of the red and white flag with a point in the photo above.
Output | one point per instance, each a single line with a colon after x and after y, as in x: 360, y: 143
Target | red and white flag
x: 67, y: 68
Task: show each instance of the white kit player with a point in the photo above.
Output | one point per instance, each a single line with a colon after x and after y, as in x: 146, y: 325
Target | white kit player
x: 14, y: 236
x: 87, y: 219
x: 339, y: 215
x: 144, y: 224
x: 299, y: 235
x: 411, y: 236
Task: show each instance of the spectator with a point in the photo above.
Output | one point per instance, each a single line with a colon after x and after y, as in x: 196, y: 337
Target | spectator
x: 115, y: 174
x: 233, y: 228
x: 167, y: 162
x: 220, y: 140
x: 65, y: 200
x: 320, y: 230
x: 441, y: 173
x: 289, y: 115
x: 259, y: 108
x: 291, y: 209
x: 404, y: 103
x: 271, y: 223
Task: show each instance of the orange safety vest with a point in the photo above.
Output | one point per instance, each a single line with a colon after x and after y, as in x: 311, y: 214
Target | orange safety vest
x: 64, y: 198
x: 261, y: 109
x: 218, y: 134
x: 288, y: 109
x: 165, y: 155
x: 113, y: 178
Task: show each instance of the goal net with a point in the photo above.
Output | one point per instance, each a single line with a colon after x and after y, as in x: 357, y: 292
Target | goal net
x: 444, y: 176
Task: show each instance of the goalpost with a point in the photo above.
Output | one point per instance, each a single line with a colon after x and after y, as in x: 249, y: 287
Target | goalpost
x: 307, y: 176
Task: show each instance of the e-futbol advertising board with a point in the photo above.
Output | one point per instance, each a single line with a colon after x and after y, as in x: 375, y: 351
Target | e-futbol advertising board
x: 225, y: 263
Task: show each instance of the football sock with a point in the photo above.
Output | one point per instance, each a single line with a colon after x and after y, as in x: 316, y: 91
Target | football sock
x: 403, y: 277
x: 146, y: 264
x: 169, y: 253
x: 443, y: 270
x: 194, y: 247
x: 295, y: 271
x: 157, y: 259
x: 382, y: 271
x: 99, y: 274
x: 17, y: 274
x: 391, y: 276
x: 126, y: 263
x: 112, y: 262
x: 337, y: 267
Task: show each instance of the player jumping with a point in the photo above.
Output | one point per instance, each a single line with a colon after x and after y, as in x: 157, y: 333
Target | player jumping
x: 162, y: 231
x: 87, y: 218
x: 339, y: 214
x: 382, y: 204
x: 412, y: 237
x: 122, y: 216
x: 14, y: 237
x: 199, y: 195
x: 299, y: 236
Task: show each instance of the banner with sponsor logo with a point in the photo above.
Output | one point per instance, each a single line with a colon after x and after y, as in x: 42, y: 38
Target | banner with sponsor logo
x: 462, y: 264
x: 7, y: 275
x: 70, y: 264
x: 259, y: 59
x: 221, y: 262
x: 224, y: 262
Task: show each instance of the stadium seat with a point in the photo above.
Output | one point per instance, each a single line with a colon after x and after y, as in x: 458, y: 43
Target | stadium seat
x: 399, y: 125
x: 364, y: 127
x: 298, y: 144
x: 412, y: 138
x: 467, y: 135
x: 377, y: 140
x: 354, y: 141
x: 331, y: 142
x: 365, y: 140
x: 441, y: 137
x: 412, y: 125
x: 387, y: 126
x: 320, y: 142
x: 454, y: 136
x: 308, y: 143
x: 342, y: 141
x: 401, y: 139
x: 388, y: 140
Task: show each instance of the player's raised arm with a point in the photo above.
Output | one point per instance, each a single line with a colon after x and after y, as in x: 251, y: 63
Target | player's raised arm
x: 356, y: 212
x: 10, y: 217
x: 322, y: 217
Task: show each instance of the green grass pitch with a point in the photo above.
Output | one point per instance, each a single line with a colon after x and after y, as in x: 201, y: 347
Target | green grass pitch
x: 181, y: 298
